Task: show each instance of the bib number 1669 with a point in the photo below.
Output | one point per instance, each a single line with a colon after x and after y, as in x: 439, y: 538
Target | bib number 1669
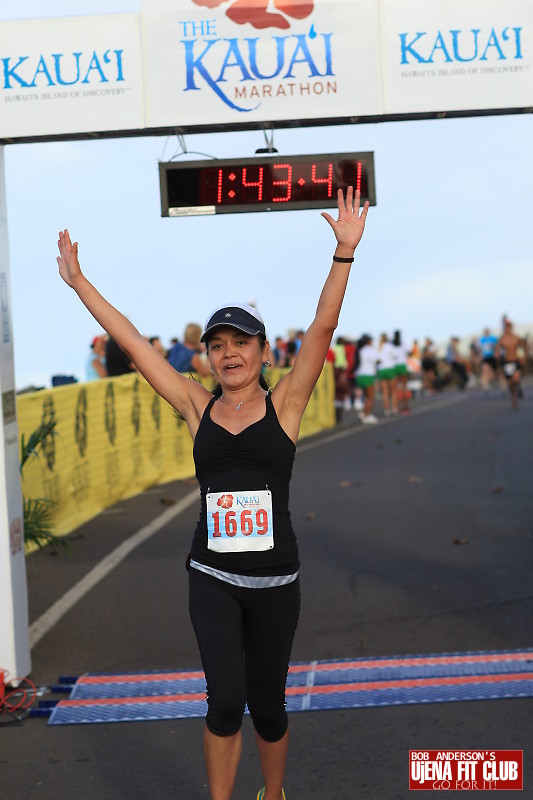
x: 242, y: 523
x: 239, y: 521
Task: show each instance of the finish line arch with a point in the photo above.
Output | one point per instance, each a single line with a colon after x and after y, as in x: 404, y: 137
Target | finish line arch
x: 119, y: 86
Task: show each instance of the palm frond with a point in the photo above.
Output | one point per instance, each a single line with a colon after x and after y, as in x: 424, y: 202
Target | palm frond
x: 38, y: 524
x: 30, y: 448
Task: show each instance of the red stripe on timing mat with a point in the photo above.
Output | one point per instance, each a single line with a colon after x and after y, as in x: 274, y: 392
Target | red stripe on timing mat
x: 408, y: 684
x: 125, y: 701
x: 142, y: 678
x: 413, y: 661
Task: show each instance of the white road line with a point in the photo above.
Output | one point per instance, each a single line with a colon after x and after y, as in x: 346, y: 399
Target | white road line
x: 47, y: 621
x: 58, y: 610
x: 385, y: 421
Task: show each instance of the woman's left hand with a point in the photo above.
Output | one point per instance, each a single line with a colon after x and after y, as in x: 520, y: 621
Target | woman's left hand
x: 349, y: 226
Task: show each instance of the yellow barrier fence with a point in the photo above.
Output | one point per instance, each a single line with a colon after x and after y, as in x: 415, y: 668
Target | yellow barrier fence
x: 115, y: 438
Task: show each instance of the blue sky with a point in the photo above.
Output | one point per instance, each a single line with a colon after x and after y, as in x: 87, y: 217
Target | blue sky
x: 447, y: 250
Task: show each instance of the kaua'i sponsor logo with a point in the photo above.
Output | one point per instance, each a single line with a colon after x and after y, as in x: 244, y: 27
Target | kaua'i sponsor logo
x: 249, y: 501
x: 460, y: 46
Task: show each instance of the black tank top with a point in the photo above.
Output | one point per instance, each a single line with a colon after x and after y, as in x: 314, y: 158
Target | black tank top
x: 259, y: 457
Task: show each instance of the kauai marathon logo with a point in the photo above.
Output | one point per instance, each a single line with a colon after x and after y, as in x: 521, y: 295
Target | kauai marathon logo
x: 289, y: 59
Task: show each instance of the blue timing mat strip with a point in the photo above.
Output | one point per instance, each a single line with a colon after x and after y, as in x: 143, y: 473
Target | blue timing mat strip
x: 320, y: 685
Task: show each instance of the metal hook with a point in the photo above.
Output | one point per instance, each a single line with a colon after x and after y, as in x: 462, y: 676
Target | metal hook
x: 269, y: 143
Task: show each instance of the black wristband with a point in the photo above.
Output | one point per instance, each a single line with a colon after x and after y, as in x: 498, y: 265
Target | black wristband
x: 343, y: 260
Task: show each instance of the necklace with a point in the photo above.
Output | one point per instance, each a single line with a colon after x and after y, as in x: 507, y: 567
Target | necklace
x: 238, y: 406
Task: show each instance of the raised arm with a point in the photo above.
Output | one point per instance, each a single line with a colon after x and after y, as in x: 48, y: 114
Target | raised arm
x: 295, y: 389
x: 188, y: 397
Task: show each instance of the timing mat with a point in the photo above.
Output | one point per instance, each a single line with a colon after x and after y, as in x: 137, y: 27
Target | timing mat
x: 312, y: 686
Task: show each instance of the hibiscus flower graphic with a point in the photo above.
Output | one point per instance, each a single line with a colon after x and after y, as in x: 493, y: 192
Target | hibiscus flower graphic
x: 259, y: 13
x: 225, y: 501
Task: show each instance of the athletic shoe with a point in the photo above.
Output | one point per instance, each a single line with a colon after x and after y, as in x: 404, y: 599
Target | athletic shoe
x: 370, y: 419
x: 261, y: 794
x: 358, y: 404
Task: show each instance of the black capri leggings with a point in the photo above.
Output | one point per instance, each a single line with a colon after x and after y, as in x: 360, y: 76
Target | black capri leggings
x: 245, y: 638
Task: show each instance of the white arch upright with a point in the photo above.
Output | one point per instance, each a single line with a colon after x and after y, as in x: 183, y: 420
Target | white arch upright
x: 15, y: 657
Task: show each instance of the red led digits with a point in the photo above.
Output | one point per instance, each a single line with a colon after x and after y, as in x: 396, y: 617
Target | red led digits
x: 287, y: 182
x: 267, y: 184
x: 328, y: 180
x: 258, y: 183
x: 219, y: 186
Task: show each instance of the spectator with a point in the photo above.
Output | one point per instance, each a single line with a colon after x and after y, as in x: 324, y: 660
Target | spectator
x: 291, y: 351
x: 117, y: 362
x: 155, y: 341
x: 514, y: 349
x: 402, y: 353
x: 489, y: 366
x: 457, y: 363
x: 366, y: 376
x: 340, y: 366
x: 190, y: 355
x: 299, y: 338
x: 279, y: 352
x: 387, y: 375
x: 96, y: 362
x: 430, y: 378
x: 350, y: 349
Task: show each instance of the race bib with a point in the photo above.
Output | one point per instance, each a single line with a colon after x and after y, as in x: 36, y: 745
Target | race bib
x: 509, y: 369
x: 239, y: 522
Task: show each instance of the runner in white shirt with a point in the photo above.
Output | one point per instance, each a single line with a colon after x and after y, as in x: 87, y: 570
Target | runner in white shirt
x: 365, y: 377
x: 387, y: 375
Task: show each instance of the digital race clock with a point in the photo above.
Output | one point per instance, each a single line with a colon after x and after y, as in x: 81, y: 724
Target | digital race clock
x: 266, y: 183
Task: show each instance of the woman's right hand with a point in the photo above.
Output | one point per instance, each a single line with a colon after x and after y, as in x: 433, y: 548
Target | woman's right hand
x: 67, y: 260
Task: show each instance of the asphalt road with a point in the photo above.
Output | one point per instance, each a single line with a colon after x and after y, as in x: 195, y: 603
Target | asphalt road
x: 416, y: 536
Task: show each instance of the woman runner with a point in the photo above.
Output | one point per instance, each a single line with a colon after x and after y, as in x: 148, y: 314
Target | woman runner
x: 243, y: 576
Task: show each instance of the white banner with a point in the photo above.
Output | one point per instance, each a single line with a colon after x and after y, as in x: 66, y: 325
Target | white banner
x: 73, y: 75
x: 14, y: 642
x: 455, y: 55
x: 228, y: 63
x: 220, y: 64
